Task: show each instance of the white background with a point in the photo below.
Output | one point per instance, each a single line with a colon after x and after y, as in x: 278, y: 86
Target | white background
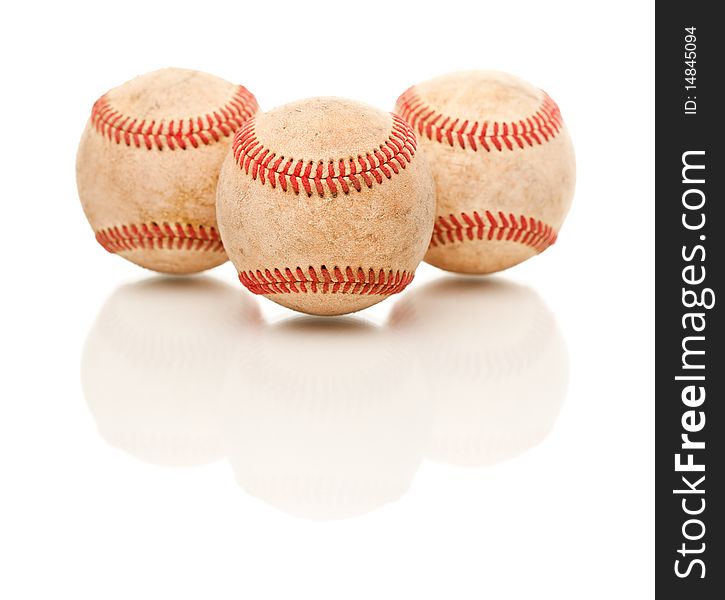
x: 84, y: 510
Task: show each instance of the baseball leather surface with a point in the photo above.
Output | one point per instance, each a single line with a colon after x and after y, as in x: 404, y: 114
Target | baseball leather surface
x: 325, y: 206
x: 148, y: 164
x: 503, y: 165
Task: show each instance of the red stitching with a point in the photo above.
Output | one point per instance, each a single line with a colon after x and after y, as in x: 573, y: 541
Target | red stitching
x: 167, y: 236
x: 544, y: 125
x: 524, y: 230
x: 321, y: 177
x: 175, y: 133
x: 325, y: 281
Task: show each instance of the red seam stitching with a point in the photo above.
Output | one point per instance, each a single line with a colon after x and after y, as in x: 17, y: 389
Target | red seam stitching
x: 501, y: 227
x: 545, y: 124
x: 325, y: 281
x: 321, y: 177
x: 167, y: 236
x: 174, y: 133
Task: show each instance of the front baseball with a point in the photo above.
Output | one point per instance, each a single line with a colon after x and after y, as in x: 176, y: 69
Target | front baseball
x: 503, y: 164
x: 325, y: 206
x: 148, y: 164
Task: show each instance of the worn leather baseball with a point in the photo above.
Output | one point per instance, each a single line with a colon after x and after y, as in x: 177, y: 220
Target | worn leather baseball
x: 325, y: 206
x: 148, y: 164
x: 503, y: 165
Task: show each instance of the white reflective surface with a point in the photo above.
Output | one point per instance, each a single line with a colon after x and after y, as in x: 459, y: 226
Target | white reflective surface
x: 324, y: 418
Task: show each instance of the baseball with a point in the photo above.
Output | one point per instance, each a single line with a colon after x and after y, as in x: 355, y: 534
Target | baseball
x: 325, y: 206
x: 148, y: 164
x: 503, y: 165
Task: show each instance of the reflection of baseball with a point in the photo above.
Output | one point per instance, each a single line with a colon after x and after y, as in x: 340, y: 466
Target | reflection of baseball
x: 496, y: 363
x: 325, y: 206
x: 148, y: 164
x: 154, y: 362
x: 325, y: 419
x: 503, y: 164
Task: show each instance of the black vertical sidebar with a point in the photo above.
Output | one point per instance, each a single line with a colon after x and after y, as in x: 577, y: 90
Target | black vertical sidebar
x: 690, y: 260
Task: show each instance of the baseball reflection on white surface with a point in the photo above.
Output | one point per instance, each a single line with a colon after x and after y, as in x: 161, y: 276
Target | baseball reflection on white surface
x: 496, y: 366
x: 154, y: 363
x: 327, y: 418
x: 324, y: 418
